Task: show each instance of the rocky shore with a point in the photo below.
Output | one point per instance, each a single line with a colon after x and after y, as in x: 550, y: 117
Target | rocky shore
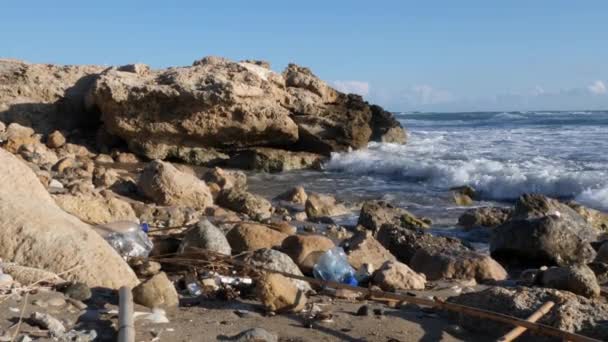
x: 84, y: 146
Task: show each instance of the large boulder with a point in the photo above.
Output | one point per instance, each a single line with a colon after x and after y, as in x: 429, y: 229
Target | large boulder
x: 571, y: 313
x: 542, y: 230
x: 96, y: 208
x: 456, y: 264
x: 376, y: 213
x: 274, y: 160
x: 44, y: 96
x: 578, y: 279
x: 394, y: 275
x: 166, y: 185
x: 35, y: 232
x: 217, y: 103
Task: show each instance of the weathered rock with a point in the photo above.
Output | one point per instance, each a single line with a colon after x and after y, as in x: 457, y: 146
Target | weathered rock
x: 394, y: 275
x: 450, y: 264
x: 126, y: 158
x: 571, y: 313
x: 283, y: 227
x: 76, y: 290
x: 38, y: 154
x: 251, y: 335
x: 278, y: 294
x: 275, y: 160
x: 29, y: 275
x: 205, y: 236
x: 46, y: 97
x: 96, y: 208
x: 251, y: 236
x: 165, y: 185
x: 318, y: 205
x: 404, y: 243
x: 157, y: 291
x: 578, y: 279
x: 595, y: 218
x: 484, y: 217
x: 55, y: 140
x: 16, y: 136
x: 245, y: 202
x: 362, y: 248
x: 48, y: 322
x: 227, y: 179
x: 305, y: 249
x: 277, y: 261
x: 295, y: 195
x: 376, y: 213
x: 37, y: 233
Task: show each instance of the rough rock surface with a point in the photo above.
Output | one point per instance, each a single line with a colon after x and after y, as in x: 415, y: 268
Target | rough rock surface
x: 205, y: 236
x: 578, y: 279
x: 450, y: 264
x: 278, y: 294
x: 157, y: 291
x: 305, y: 249
x: 277, y: 261
x: 251, y: 236
x: 394, y: 275
x: 484, y: 217
x: 404, y: 243
x: 96, y: 208
x: 245, y: 202
x: 44, y: 96
x: 37, y: 233
x: 596, y: 218
x: 166, y: 185
x: 226, y: 179
x: 318, y: 205
x: 296, y: 195
x: 274, y: 160
x: 362, y: 248
x: 572, y: 313
x: 376, y: 213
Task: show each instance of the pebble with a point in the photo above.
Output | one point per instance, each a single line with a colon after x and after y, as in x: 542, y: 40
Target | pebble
x: 363, y: 311
x: 79, y: 291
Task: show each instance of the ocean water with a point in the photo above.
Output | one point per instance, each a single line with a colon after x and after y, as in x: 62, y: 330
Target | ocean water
x: 502, y: 155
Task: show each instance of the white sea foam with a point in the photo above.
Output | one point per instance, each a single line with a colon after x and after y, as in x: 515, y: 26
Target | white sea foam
x: 596, y: 198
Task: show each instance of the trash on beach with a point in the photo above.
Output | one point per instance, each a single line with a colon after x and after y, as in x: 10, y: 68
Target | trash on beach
x: 333, y: 266
x: 129, y: 239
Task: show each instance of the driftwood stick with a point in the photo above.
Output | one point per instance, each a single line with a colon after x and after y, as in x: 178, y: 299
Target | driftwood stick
x: 126, y: 326
x: 535, y: 316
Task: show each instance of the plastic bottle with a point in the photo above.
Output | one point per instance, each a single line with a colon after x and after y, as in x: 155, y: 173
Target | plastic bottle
x: 128, y: 238
x: 333, y: 266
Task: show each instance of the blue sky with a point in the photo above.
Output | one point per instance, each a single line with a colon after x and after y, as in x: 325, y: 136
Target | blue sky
x: 405, y: 55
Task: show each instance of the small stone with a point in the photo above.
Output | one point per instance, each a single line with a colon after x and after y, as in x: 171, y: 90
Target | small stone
x: 363, y: 311
x: 205, y: 236
x: 300, y: 216
x: 318, y: 205
x: 157, y: 291
x: 55, y: 140
x: 295, y: 195
x: 278, y: 294
x: 76, y: 290
x: 394, y: 275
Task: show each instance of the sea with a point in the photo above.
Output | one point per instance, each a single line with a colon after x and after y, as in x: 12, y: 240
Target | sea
x: 562, y: 154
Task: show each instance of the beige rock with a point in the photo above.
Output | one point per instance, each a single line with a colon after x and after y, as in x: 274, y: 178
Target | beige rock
x: 278, y: 294
x: 165, y: 185
x: 376, y: 213
x: 364, y: 249
x: 394, y: 275
x: 295, y: 195
x: 16, y: 136
x: 38, y: 154
x: 318, y: 205
x: 64, y: 164
x: 304, y: 249
x: 104, y: 158
x: 96, y: 208
x: 126, y: 158
x: 596, y: 218
x: 578, y: 279
x: 245, y: 202
x: 35, y: 232
x: 55, y: 140
x: 252, y: 236
x: 454, y: 264
x: 283, y: 227
x: 157, y: 291
x: 30, y: 275
x: 275, y: 160
x: 226, y: 179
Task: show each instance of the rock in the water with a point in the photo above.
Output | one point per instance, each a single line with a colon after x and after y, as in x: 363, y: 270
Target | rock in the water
x: 96, y: 208
x: 251, y: 236
x: 157, y: 291
x: 394, y: 275
x: 252, y: 335
x: 404, y: 243
x: 362, y: 249
x: 278, y: 294
x: 205, y: 236
x: 277, y: 261
x: 305, y: 249
x: 578, y: 279
x: 376, y: 213
x: 165, y: 185
x: 318, y: 205
x: 245, y: 202
x: 571, y: 313
x: 451, y: 264
x: 37, y: 233
x: 275, y: 160
x: 296, y: 195
x: 484, y: 217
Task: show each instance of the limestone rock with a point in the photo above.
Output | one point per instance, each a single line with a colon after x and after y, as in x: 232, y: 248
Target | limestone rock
x: 165, y: 185
x: 38, y: 154
x: 275, y: 160
x: 37, y: 233
x: 205, y: 236
x: 451, y: 264
x: 96, y: 208
x: 277, y: 261
x: 595, y: 218
x: 296, y: 195
x: 157, y: 291
x: 305, y: 249
x: 29, y: 275
x: 16, y: 136
x: 318, y: 205
x: 226, y: 179
x: 376, y: 213
x: 364, y: 249
x: 484, y: 217
x: 55, y: 140
x: 278, y: 294
x: 394, y: 275
x: 578, y: 279
x: 245, y: 202
x: 250, y: 237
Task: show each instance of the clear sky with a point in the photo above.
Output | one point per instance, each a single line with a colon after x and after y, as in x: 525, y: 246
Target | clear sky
x: 405, y: 55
